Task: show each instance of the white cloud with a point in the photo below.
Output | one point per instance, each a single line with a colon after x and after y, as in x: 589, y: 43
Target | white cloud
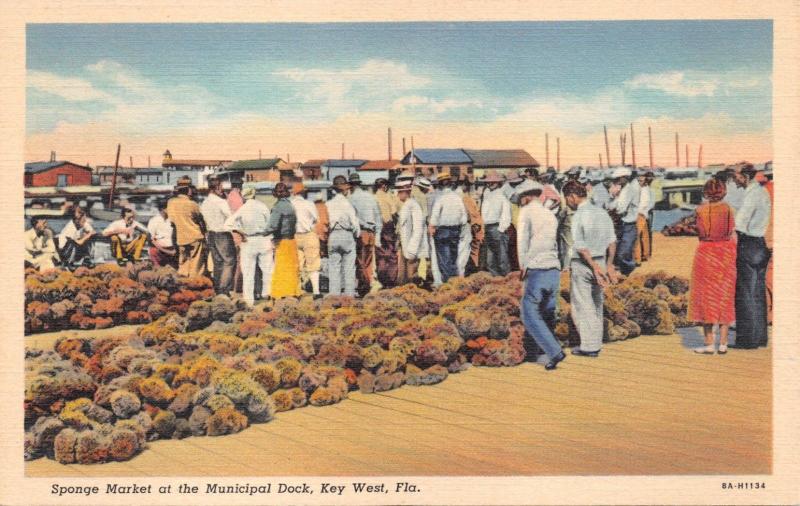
x: 419, y: 103
x: 119, y: 75
x: 689, y: 83
x: 571, y: 113
x: 351, y: 88
x: 69, y: 88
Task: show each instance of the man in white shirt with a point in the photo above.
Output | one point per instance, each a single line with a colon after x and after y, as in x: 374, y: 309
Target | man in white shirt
x: 496, y: 214
x: 447, y: 218
x: 644, y: 241
x: 127, y: 237
x: 40, y: 247
x: 162, y: 249
x: 625, y: 203
x: 540, y: 269
x: 308, y: 255
x: 257, y: 249
x: 752, y: 259
x: 591, y: 267
x: 344, y: 228
x: 411, y: 231
x: 75, y: 240
x: 216, y: 211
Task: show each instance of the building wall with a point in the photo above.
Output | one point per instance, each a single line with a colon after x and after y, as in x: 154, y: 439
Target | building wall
x: 75, y: 176
x: 262, y: 175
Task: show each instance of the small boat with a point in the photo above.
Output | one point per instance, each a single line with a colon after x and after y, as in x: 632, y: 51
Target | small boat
x: 45, y: 212
x: 99, y: 213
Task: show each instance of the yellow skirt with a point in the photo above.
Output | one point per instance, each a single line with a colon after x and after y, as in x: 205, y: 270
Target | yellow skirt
x: 286, y: 274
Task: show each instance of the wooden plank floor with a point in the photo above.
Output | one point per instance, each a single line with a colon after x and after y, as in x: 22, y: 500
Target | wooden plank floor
x: 646, y: 406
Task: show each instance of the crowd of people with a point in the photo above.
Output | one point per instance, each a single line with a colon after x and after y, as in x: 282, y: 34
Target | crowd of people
x: 426, y: 232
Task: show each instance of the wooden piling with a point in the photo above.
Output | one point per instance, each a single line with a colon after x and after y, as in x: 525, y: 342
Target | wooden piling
x: 633, y: 148
x: 608, y: 152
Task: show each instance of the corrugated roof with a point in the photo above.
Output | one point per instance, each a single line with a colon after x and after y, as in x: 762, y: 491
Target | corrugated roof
x: 380, y: 165
x: 37, y: 167
x: 439, y: 156
x: 344, y: 163
x: 261, y: 164
x: 312, y: 164
x: 166, y: 163
x: 501, y: 158
x: 108, y: 169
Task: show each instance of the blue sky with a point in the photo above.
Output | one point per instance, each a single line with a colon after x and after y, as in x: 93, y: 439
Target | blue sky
x: 568, y: 77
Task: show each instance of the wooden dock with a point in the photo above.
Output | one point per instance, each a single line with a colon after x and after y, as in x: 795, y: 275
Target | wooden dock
x: 648, y: 406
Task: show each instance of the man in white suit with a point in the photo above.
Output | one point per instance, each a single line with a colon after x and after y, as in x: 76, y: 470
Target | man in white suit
x: 411, y: 230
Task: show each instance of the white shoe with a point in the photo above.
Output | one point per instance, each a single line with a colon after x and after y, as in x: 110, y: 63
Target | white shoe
x: 705, y: 350
x: 723, y: 349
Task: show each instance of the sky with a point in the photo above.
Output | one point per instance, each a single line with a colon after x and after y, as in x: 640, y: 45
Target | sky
x: 296, y: 90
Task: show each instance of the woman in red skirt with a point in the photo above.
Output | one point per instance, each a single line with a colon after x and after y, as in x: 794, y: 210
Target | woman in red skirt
x: 713, y: 283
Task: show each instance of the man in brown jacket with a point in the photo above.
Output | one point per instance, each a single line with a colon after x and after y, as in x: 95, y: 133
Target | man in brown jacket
x: 469, y: 254
x: 189, y: 230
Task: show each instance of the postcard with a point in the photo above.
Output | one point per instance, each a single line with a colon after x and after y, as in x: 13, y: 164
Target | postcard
x: 400, y: 254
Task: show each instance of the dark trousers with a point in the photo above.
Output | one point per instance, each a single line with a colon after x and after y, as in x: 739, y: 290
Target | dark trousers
x: 446, y: 240
x: 497, y: 262
x: 627, y: 240
x: 752, y: 258
x: 72, y: 254
x: 223, y: 253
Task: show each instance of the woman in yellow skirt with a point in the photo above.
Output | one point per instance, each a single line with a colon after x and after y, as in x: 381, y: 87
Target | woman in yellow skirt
x: 282, y: 221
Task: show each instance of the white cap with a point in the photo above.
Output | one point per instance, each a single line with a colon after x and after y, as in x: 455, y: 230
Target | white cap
x: 621, y: 172
x: 527, y: 186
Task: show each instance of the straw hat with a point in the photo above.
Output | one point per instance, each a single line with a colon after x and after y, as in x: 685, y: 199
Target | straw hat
x: 527, y: 186
x: 248, y: 193
x: 621, y: 172
x: 423, y: 183
x: 443, y: 176
x: 355, y: 178
x: 493, y: 177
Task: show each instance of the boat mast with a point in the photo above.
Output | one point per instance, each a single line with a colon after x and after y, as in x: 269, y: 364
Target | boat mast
x: 113, y: 180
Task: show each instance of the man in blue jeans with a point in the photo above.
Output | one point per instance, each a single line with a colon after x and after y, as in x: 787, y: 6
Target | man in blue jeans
x: 625, y: 202
x: 448, y: 215
x: 540, y: 269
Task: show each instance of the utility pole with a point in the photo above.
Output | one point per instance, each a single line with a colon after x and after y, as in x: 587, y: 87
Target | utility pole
x: 677, y: 152
x: 600, y: 159
x: 404, y: 146
x: 413, y: 156
x: 633, y: 148
x: 650, y: 137
x: 687, y: 156
x: 558, y: 154
x: 343, y: 151
x: 546, y: 151
x: 700, y: 157
x: 390, y: 143
x: 608, y: 153
x: 114, y: 179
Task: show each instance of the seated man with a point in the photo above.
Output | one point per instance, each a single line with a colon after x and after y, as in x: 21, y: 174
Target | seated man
x: 74, y: 241
x: 40, y: 248
x: 162, y: 250
x: 127, y: 237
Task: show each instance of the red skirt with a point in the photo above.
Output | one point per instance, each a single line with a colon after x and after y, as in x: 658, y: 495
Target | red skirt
x: 713, y: 285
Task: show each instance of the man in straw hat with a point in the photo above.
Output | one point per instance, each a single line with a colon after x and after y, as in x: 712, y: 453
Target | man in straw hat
x: 216, y: 211
x: 386, y: 253
x: 411, y: 230
x: 496, y: 214
x: 250, y: 222
x: 472, y: 234
x: 371, y: 224
x: 344, y: 229
x: 539, y: 268
x: 752, y: 258
x: 447, y: 217
x: 644, y: 238
x: 626, y: 204
x: 190, y: 229
x: 591, y: 267
x: 308, y: 254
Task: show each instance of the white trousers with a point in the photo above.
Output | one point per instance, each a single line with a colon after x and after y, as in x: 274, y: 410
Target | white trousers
x: 437, y: 275
x: 586, y: 304
x: 256, y: 250
x: 464, y: 248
